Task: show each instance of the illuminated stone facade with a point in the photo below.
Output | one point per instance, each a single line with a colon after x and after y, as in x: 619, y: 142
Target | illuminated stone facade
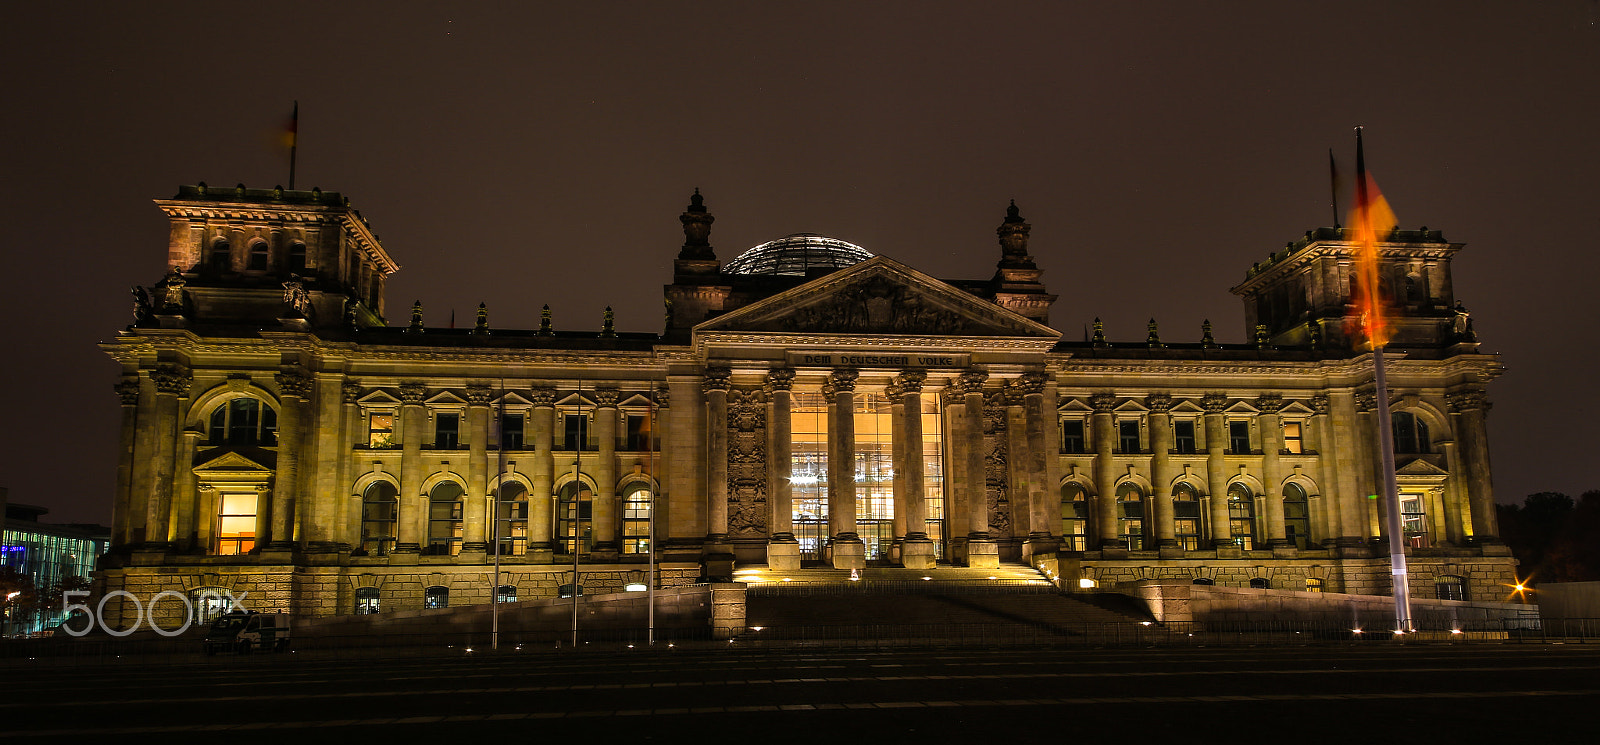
x: 827, y: 409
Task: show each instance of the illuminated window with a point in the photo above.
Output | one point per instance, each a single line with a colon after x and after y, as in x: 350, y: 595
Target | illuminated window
x: 933, y: 472
x: 505, y: 594
x: 1186, y: 516
x: 379, y: 511
x: 1296, y: 516
x: 874, y: 473
x: 444, y: 519
x: 639, y: 433
x: 446, y: 431
x: 380, y: 431
x: 244, y: 421
x: 1072, y: 436
x: 1074, y: 518
x: 808, y: 427
x: 513, y: 517
x: 1242, y: 516
x: 258, y: 255
x: 511, y: 432
x: 1293, y: 440
x: 1313, y: 584
x: 636, y: 518
x: 366, y: 601
x: 1183, y: 438
x: 1239, y: 437
x: 1450, y: 587
x: 1130, y: 517
x: 1128, y: 436
x: 436, y: 597
x: 1414, y: 519
x: 236, y: 526
x: 576, y: 518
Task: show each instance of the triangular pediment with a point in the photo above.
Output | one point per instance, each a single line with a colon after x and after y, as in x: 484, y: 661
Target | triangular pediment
x: 878, y: 296
x: 231, y: 464
x: 1420, y: 467
x: 378, y: 399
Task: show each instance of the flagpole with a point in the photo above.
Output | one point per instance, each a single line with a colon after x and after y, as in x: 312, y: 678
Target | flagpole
x: 294, y: 141
x: 1333, y: 186
x: 498, y: 496
x: 650, y: 540
x: 1377, y: 336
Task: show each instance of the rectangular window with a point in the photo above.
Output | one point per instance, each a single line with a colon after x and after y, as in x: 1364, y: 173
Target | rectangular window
x: 576, y: 432
x: 808, y: 428
x: 1293, y: 440
x: 1239, y: 437
x: 636, y: 522
x: 380, y: 430
x: 236, y: 529
x: 1186, y: 521
x: 639, y: 433
x: 1072, y: 437
x: 1413, y: 519
x: 1128, y: 436
x: 933, y: 472
x: 1183, y: 439
x: 446, y: 431
x: 511, y: 432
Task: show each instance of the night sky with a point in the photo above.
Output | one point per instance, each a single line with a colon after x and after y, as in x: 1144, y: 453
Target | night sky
x: 521, y: 156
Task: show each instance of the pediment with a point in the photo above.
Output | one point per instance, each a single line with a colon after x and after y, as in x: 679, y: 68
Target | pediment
x: 378, y: 399
x: 1420, y: 467
x: 231, y: 464
x: 878, y: 296
x: 446, y: 399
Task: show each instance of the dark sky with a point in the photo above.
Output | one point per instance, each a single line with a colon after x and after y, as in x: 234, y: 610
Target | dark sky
x: 528, y: 155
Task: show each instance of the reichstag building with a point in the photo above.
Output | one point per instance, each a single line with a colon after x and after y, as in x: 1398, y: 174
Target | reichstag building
x: 806, y: 404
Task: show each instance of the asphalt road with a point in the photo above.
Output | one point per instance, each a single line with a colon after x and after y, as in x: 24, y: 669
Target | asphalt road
x: 1298, y: 694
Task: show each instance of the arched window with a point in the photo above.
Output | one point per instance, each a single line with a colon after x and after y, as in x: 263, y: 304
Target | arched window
x: 513, y: 518
x: 576, y: 511
x: 210, y: 602
x: 221, y: 259
x: 506, y: 594
x: 1296, y: 516
x: 297, y: 258
x: 436, y: 597
x: 243, y: 421
x: 258, y: 255
x: 1186, y: 516
x: 1450, y: 587
x: 1130, y: 517
x: 1242, y: 516
x: 444, y: 519
x: 1074, y: 518
x: 366, y: 601
x: 1410, y: 434
x: 1260, y: 583
x: 379, y: 515
x: 1206, y: 581
x: 636, y: 503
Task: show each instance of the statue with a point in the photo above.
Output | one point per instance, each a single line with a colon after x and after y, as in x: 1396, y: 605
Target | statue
x: 295, y: 295
x: 141, y: 305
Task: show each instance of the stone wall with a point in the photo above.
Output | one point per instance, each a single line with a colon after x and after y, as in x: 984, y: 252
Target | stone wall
x: 1217, y: 608
x: 1486, y: 578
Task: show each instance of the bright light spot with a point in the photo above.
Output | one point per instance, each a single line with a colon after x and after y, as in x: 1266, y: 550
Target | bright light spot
x: 469, y: 650
x: 926, y: 578
x: 1144, y: 623
x: 1455, y: 631
x: 669, y: 645
x: 1399, y: 632
x: 757, y: 628
x: 747, y: 571
x: 630, y: 646
x: 803, y: 480
x: 1520, y: 587
x: 993, y: 577
x: 13, y: 594
x: 635, y: 587
x: 1355, y: 631
x: 1086, y: 583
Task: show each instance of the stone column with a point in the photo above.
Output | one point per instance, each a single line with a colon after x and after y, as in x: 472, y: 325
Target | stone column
x: 172, y: 383
x: 1103, y: 424
x: 715, y: 388
x: 1016, y: 471
x: 1161, y: 476
x: 1453, y: 511
x: 956, y: 511
x: 294, y: 389
x: 205, y: 535
x: 685, y: 505
x: 605, y: 475
x: 321, y: 520
x: 1043, y: 512
x: 541, y: 512
x: 916, y: 549
x: 413, y: 504
x: 1471, y: 410
x: 1347, y: 468
x: 1369, y: 471
x: 982, y: 550
x: 347, y: 525
x: 849, y: 552
x: 897, y: 464
x: 1216, y: 466
x: 475, y: 512
x: 185, y: 532
x: 783, y: 549
x: 1327, y: 526
x: 128, y: 394
x: 1269, y: 404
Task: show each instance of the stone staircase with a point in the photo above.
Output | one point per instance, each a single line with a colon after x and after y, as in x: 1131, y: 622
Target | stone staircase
x: 1010, y: 604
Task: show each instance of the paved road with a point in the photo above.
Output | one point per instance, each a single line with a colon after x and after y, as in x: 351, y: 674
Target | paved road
x: 1304, y: 694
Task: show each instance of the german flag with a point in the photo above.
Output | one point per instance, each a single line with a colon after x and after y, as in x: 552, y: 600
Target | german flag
x: 1372, y: 220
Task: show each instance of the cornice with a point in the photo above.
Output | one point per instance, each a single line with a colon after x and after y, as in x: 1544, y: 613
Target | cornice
x: 781, y: 340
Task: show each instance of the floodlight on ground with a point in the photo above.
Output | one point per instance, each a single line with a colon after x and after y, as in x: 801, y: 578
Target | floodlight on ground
x: 635, y: 587
x: 926, y: 578
x: 1355, y: 631
x: 1086, y: 583
x: 1144, y: 623
x: 1455, y: 631
x: 757, y: 628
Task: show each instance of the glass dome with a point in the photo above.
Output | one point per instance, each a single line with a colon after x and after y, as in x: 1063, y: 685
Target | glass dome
x: 796, y: 255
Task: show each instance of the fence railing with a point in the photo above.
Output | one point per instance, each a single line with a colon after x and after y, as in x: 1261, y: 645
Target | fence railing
x: 902, y: 587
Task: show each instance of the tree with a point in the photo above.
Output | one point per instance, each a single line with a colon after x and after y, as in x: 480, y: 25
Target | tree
x: 1553, y: 538
x: 18, y: 597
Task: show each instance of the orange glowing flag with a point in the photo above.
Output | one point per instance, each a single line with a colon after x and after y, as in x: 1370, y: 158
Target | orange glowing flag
x: 1372, y: 220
